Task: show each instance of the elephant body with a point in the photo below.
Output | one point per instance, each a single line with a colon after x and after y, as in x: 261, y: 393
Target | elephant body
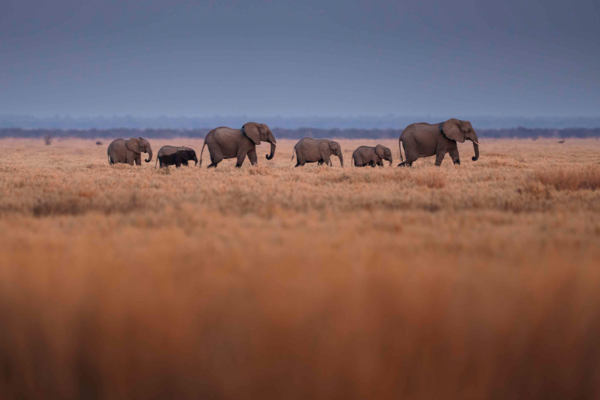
x: 171, y: 155
x: 122, y: 151
x: 309, y: 150
x: 366, y: 155
x: 224, y: 143
x: 426, y: 140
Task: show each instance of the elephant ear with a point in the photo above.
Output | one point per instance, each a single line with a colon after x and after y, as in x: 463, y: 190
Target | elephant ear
x: 452, y: 130
x: 252, y: 131
x: 380, y: 151
x: 133, y: 144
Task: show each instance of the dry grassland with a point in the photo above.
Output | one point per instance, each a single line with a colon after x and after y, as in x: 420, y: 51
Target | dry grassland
x: 474, y: 282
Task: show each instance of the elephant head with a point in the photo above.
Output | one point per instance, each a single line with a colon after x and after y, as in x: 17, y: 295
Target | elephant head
x: 460, y: 131
x: 140, y: 145
x: 188, y: 154
x: 260, y: 133
x: 336, y: 149
x: 384, y: 153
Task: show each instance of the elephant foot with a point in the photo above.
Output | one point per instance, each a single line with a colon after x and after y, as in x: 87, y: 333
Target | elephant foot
x: 212, y: 166
x: 457, y: 162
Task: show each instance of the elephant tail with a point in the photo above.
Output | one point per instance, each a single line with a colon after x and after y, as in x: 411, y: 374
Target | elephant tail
x: 400, y: 148
x: 202, y: 152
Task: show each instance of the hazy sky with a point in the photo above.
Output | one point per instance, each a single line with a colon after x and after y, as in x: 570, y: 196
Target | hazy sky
x: 299, y: 58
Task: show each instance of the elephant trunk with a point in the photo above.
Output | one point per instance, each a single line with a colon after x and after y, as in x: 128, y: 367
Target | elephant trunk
x: 391, y: 161
x: 475, y: 148
x: 195, y: 161
x: 149, y: 155
x: 273, y: 145
x: 341, y: 158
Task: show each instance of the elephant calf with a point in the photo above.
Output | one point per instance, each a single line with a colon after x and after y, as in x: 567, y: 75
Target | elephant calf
x: 128, y: 151
x: 171, y: 155
x: 226, y: 143
x: 372, y: 156
x: 309, y: 150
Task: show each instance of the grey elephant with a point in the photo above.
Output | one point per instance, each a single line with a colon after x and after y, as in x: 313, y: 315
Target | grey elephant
x: 366, y: 155
x: 309, y: 150
x: 426, y: 140
x: 224, y: 143
x: 171, y: 155
x: 122, y: 151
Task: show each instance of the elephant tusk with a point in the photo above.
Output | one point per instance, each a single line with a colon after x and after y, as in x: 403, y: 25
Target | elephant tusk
x: 476, y: 143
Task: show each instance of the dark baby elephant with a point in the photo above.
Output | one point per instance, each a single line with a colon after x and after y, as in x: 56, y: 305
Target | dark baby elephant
x: 128, y: 151
x: 171, y: 155
x: 426, y: 140
x: 224, y: 143
x: 309, y: 150
x: 372, y: 156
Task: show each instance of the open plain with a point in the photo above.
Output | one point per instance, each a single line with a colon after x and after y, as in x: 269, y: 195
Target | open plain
x: 476, y: 281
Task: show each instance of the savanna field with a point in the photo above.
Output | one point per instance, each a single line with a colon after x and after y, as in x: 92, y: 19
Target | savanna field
x: 478, y: 281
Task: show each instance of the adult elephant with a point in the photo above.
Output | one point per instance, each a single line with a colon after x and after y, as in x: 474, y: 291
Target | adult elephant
x: 426, y: 140
x: 366, y: 155
x: 171, y: 155
x: 122, y: 151
x: 224, y: 143
x: 309, y: 150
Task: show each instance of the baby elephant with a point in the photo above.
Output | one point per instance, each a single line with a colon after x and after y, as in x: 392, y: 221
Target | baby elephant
x: 372, y: 156
x: 171, y: 155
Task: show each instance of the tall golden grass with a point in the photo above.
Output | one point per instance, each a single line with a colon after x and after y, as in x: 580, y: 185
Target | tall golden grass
x: 477, y: 281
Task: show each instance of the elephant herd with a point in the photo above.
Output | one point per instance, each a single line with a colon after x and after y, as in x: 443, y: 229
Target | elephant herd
x: 418, y: 140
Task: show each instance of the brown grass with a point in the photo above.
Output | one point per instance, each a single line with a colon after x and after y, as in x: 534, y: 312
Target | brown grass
x: 571, y: 178
x: 471, y: 282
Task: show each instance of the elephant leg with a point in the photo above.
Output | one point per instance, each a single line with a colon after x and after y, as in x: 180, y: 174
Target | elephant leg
x: 252, y: 157
x: 327, y: 160
x: 439, y: 158
x: 300, y: 160
x: 240, y: 160
x: 177, y: 162
x: 454, y: 155
x: 130, y: 157
x: 320, y: 163
x: 216, y: 155
x: 410, y: 157
x: 138, y: 160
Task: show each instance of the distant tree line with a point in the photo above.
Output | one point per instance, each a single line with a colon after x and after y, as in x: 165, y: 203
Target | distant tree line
x: 349, y: 122
x: 522, y: 133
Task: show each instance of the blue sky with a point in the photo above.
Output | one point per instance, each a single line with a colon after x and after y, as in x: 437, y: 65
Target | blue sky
x: 300, y: 58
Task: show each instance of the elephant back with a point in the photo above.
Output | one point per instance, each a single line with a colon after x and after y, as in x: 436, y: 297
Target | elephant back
x: 167, y: 151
